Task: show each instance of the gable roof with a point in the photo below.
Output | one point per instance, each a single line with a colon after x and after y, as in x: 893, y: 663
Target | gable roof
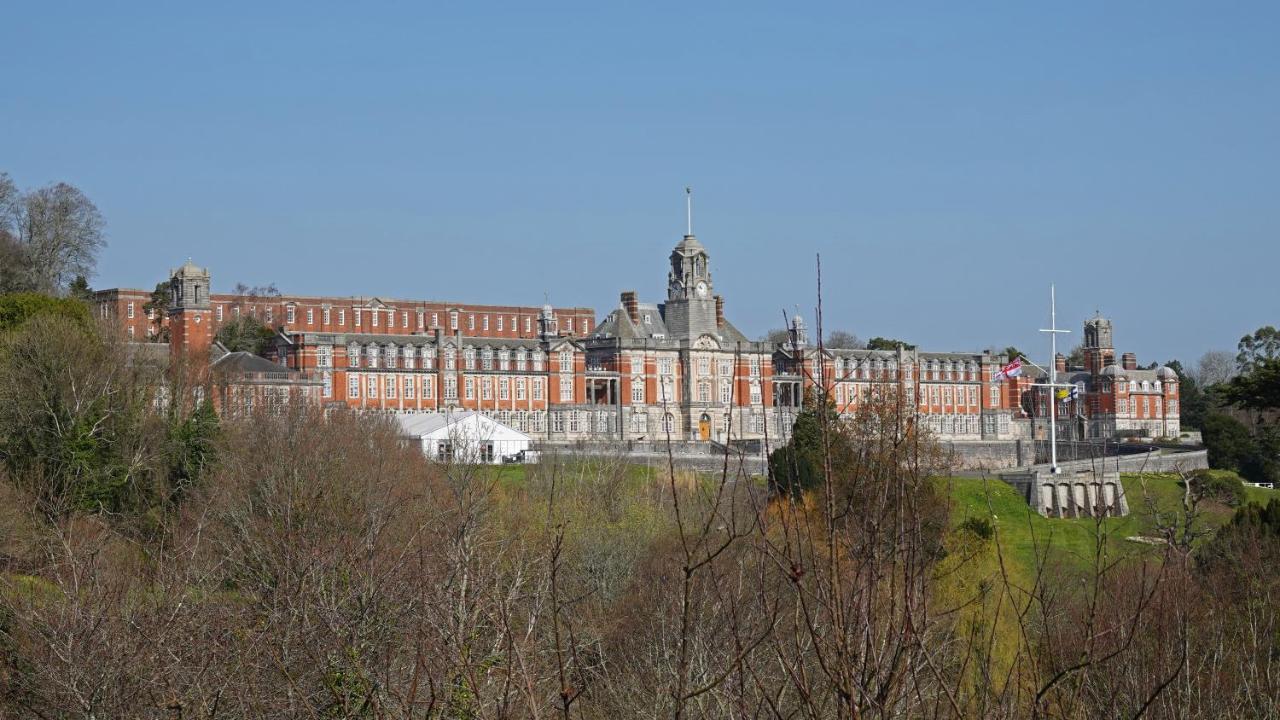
x: 246, y: 362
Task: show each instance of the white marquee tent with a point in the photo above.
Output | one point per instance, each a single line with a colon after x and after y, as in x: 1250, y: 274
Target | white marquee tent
x: 464, y: 436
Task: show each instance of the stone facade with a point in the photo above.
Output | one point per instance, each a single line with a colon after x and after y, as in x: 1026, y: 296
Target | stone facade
x: 1073, y: 493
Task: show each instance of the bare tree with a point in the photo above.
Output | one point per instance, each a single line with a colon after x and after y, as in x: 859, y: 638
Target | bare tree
x: 1214, y: 368
x: 62, y: 231
x: 842, y: 340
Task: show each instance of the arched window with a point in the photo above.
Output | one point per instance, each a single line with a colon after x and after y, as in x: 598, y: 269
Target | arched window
x: 668, y: 423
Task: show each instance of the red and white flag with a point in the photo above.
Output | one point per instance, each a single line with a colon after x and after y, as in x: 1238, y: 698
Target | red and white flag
x: 1013, y: 369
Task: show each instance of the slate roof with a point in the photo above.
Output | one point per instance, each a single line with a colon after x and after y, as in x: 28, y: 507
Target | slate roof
x: 618, y: 324
x: 245, y: 362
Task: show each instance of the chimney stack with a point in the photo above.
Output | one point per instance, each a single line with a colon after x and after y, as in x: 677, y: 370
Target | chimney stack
x: 631, y: 305
x: 1129, y: 361
x: 719, y: 311
x: 1060, y: 362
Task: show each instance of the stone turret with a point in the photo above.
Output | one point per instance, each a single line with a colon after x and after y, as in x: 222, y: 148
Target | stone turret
x: 547, y: 323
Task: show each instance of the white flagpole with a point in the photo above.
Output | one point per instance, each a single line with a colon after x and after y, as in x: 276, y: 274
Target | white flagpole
x: 1053, y: 379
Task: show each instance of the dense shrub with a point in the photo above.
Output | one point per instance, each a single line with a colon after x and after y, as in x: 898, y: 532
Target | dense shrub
x: 1223, y: 486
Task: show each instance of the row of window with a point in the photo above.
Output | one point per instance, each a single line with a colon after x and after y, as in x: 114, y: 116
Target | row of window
x: 411, y: 357
x: 376, y: 318
x: 1151, y: 406
x: 959, y: 395
x: 409, y: 386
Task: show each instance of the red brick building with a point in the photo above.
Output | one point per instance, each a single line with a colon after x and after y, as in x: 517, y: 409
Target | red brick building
x: 646, y: 372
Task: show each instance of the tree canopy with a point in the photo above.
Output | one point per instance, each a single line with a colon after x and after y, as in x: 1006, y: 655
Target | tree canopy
x: 18, y: 308
x: 882, y: 343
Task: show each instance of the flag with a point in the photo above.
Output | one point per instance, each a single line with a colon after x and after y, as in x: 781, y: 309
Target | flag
x: 1070, y: 395
x: 1013, y: 369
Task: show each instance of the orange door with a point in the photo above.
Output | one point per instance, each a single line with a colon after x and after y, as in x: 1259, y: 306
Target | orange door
x: 704, y: 428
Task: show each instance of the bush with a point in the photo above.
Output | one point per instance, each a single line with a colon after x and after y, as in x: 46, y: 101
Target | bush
x: 17, y: 308
x: 1224, y: 486
x: 979, y: 526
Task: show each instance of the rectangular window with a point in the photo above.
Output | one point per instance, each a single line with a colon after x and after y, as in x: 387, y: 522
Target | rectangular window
x: 995, y: 396
x: 358, y: 317
x: 130, y: 311
x: 637, y: 390
x: 537, y: 388
x: 486, y: 388
x: 290, y: 314
x: 726, y: 392
x: 419, y: 319
x: 353, y: 386
x: 375, y: 315
x: 324, y: 316
x: 570, y: 325
x: 435, y: 319
x: 342, y: 317
x: 471, y: 322
x: 504, y: 389
x: 311, y: 316
x: 520, y: 389
x: 485, y: 323
x: 528, y: 325
x: 453, y: 320
x: 327, y: 390
x: 372, y: 387
x: 451, y: 388
x: 324, y: 356
x: 270, y: 313
x: 404, y: 318
x: 218, y: 311
x: 566, y: 389
x: 131, y: 332
x: 471, y: 388
x: 428, y: 386
x: 409, y: 390
x: 500, y: 323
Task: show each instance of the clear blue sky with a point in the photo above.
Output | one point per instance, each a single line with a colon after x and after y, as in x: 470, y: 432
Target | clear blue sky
x: 947, y: 161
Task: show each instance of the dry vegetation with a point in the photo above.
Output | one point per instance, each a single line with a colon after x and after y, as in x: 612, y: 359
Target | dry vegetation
x: 317, y: 567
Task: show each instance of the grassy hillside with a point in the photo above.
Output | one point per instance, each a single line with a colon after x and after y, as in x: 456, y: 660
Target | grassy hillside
x: 1023, y: 533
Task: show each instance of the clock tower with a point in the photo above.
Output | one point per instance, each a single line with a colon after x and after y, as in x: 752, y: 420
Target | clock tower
x: 690, y: 276
x: 190, y: 329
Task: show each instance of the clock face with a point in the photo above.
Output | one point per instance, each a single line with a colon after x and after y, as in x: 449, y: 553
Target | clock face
x: 702, y: 289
